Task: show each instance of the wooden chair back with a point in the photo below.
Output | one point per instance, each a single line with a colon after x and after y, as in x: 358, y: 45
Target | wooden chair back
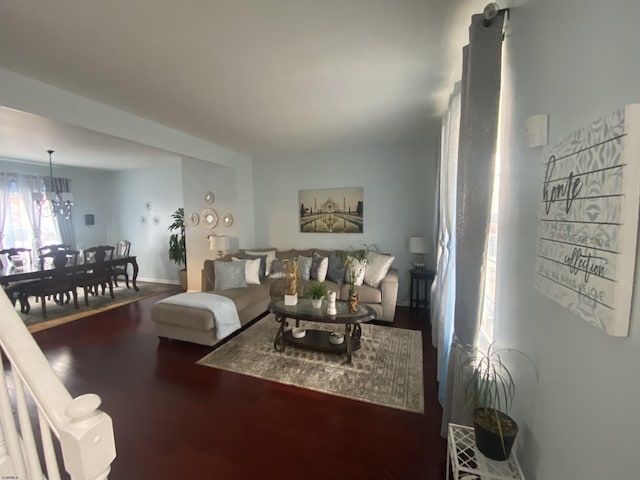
x: 122, y: 248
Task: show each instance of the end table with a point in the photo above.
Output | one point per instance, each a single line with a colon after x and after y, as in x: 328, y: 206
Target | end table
x: 419, y: 297
x: 467, y: 462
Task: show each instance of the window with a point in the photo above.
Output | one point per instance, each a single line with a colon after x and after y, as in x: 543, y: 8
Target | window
x: 18, y: 230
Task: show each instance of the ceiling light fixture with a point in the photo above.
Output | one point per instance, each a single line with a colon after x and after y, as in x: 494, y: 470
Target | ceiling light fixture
x: 52, y: 201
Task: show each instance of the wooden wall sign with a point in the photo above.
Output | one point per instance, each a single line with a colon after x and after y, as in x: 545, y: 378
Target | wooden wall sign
x: 588, y: 220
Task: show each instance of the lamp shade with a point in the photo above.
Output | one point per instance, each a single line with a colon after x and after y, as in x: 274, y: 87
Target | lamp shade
x: 417, y: 245
x: 219, y: 242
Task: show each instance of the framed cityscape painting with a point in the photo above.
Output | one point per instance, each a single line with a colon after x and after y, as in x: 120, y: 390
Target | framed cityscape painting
x: 331, y: 210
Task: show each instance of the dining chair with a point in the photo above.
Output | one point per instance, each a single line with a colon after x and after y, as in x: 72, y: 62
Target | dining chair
x: 99, y: 273
x: 121, y: 250
x: 56, y: 281
x: 18, y: 258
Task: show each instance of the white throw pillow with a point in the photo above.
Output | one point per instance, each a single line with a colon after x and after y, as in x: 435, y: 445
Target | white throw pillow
x: 357, y: 266
x: 377, y: 268
x: 271, y: 256
x: 251, y: 270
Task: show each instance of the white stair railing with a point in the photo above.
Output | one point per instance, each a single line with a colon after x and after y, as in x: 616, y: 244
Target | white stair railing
x: 83, y: 432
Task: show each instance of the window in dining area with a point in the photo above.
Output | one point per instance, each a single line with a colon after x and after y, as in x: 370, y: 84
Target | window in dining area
x: 20, y: 222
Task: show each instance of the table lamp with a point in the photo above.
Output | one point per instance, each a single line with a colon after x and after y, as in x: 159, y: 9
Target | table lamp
x: 418, y: 246
x: 220, y: 243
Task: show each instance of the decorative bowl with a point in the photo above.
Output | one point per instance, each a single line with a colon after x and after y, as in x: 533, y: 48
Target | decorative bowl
x: 336, y: 338
x: 298, y: 332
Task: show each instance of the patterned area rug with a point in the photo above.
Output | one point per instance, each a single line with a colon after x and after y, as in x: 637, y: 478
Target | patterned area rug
x: 61, y: 314
x: 386, y: 370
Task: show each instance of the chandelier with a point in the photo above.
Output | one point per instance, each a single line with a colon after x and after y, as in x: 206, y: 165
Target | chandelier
x: 52, y: 202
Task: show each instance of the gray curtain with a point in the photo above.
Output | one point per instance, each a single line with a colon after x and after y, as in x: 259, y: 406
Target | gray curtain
x: 476, y: 161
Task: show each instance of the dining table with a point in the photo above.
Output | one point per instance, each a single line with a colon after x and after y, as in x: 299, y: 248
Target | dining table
x: 11, y: 274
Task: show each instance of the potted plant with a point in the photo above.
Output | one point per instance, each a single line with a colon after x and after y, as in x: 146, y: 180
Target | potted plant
x: 490, y: 390
x: 317, y: 291
x: 177, y: 245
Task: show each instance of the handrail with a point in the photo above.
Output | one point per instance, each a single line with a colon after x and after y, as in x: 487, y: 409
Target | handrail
x: 85, y: 433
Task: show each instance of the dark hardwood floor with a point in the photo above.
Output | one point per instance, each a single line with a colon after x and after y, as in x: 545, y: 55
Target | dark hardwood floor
x: 174, y: 419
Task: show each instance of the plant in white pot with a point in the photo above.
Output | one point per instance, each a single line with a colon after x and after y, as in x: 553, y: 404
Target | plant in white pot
x: 490, y: 391
x: 317, y: 292
x: 178, y: 245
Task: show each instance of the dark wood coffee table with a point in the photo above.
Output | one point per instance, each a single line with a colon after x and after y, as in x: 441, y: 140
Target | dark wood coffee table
x: 319, y: 339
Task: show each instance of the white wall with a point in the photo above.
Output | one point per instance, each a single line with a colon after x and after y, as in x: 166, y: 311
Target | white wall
x: 398, y: 184
x: 575, y: 60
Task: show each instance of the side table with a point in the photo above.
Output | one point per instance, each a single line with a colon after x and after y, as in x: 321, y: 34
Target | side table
x: 464, y: 458
x: 419, y: 297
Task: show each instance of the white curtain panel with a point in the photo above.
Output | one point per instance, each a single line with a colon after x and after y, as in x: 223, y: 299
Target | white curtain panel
x: 443, y: 286
x: 480, y: 98
x: 4, y: 202
x: 28, y: 185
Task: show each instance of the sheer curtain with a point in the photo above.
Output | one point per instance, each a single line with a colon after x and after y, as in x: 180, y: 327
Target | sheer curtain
x: 443, y: 288
x: 27, y: 186
x: 458, y: 291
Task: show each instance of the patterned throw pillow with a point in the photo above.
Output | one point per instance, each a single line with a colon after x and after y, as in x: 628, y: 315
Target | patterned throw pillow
x: 229, y: 275
x: 278, y: 269
x: 355, y: 269
x: 336, y: 270
x: 377, y: 268
x: 304, y: 267
x: 319, y: 267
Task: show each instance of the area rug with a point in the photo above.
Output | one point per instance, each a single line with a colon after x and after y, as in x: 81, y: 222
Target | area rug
x: 386, y: 370
x: 61, y: 314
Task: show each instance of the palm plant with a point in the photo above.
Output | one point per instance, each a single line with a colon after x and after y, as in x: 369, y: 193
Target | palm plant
x: 177, y: 241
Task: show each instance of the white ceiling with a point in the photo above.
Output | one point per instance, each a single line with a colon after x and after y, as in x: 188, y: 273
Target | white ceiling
x: 257, y: 76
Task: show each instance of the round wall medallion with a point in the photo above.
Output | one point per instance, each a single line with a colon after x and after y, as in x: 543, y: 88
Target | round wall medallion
x: 209, y: 217
x: 227, y: 219
x: 194, y: 218
x: 156, y: 220
x: 143, y: 220
x: 208, y: 197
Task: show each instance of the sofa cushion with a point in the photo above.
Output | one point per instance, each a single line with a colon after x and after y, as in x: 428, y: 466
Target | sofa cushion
x: 245, y: 297
x: 324, y: 253
x: 263, y: 273
x: 251, y: 270
x: 336, y: 270
x: 270, y: 253
x: 229, y: 275
x: 278, y: 269
x: 355, y: 268
x: 319, y: 267
x: 304, y: 267
x: 377, y: 268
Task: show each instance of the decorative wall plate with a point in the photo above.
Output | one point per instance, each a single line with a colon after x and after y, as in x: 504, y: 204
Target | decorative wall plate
x: 209, y: 218
x: 143, y: 220
x: 227, y: 219
x: 147, y: 204
x: 208, y: 197
x: 156, y: 220
x: 194, y: 218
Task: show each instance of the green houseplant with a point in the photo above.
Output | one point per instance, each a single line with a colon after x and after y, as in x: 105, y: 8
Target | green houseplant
x: 177, y: 244
x: 490, y: 391
x: 317, y: 291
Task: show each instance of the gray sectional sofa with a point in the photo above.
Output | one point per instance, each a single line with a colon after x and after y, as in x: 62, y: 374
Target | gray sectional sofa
x: 198, y: 326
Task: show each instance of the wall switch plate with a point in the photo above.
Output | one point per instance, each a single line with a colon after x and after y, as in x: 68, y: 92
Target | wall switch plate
x: 537, y: 127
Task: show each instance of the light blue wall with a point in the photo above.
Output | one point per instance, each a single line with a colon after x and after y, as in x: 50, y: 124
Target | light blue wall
x: 147, y: 228
x: 398, y: 184
x: 575, y: 60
